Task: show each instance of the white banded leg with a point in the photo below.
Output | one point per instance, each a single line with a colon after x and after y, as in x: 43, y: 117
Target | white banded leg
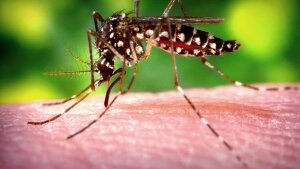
x: 68, y: 99
x: 136, y: 7
x: 121, y: 77
x: 150, y: 42
x: 88, y: 92
x: 170, y: 5
x: 166, y: 12
x: 108, y: 106
x: 135, y: 71
x: 237, y: 83
x: 197, y: 112
x: 95, y: 120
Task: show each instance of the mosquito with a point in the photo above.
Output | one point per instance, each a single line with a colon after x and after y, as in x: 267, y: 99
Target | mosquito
x: 121, y: 36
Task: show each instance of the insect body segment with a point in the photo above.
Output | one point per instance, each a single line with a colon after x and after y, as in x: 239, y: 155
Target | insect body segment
x: 116, y: 32
x: 119, y: 31
x: 187, y: 41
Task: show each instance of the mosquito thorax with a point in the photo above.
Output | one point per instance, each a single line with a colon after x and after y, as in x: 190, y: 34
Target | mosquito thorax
x: 116, y: 31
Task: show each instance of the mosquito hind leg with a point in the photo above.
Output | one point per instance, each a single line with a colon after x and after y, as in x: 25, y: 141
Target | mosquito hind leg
x: 237, y: 83
x: 170, y: 5
x: 196, y: 111
x: 135, y: 71
x: 136, y: 7
x: 182, y: 8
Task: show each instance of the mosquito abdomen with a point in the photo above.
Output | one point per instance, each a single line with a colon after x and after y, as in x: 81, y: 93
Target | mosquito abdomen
x: 189, y: 41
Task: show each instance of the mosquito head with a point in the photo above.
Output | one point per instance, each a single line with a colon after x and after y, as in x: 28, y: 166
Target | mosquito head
x: 105, y: 67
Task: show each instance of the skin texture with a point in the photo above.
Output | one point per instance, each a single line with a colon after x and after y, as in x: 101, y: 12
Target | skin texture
x: 158, y: 130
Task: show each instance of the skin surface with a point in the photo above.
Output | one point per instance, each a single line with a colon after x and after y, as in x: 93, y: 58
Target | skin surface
x: 158, y: 130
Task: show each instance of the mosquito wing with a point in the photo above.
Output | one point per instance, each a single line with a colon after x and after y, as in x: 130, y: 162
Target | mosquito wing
x: 177, y: 20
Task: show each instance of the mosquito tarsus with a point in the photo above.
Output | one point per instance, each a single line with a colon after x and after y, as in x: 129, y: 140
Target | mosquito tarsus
x: 121, y: 35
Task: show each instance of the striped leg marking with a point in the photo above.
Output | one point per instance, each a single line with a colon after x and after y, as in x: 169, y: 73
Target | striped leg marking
x: 68, y: 99
x: 95, y: 120
x: 237, y: 83
x: 89, y: 91
x: 110, y: 104
x: 204, y: 121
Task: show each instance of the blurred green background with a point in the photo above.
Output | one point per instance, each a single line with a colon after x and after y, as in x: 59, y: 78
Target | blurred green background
x: 35, y: 34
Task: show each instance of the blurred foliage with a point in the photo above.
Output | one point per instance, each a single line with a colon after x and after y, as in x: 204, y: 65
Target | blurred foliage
x: 34, y: 35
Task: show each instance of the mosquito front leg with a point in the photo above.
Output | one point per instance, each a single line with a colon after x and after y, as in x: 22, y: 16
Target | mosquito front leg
x: 88, y: 92
x: 97, y: 17
x: 68, y: 99
x: 237, y: 83
x: 119, y: 71
x: 107, y: 107
x: 89, y: 33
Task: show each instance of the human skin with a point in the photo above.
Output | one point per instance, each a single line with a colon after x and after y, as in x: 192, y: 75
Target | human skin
x: 158, y: 130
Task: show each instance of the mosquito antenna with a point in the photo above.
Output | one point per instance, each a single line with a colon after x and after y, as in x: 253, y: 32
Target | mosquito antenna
x: 67, y: 73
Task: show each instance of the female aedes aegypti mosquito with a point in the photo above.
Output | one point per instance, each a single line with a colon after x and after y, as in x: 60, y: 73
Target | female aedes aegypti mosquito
x: 122, y: 36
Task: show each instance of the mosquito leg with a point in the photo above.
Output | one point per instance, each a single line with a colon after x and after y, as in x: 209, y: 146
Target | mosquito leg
x: 92, y: 86
x: 170, y: 5
x: 182, y: 8
x: 106, y: 108
x: 95, y: 120
x: 109, y: 89
x: 135, y: 68
x: 116, y: 80
x: 132, y: 79
x: 97, y: 83
x: 151, y: 40
x: 107, y: 95
x: 102, y: 114
x: 168, y: 8
x: 120, y: 70
x: 136, y: 8
x: 97, y: 17
x: 89, y: 33
x: 197, y: 112
x: 68, y: 99
x: 237, y: 83
x: 58, y: 115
